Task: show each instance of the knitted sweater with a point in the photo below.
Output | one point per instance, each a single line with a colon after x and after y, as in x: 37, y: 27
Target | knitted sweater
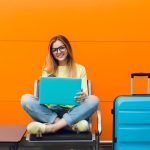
x: 62, y: 72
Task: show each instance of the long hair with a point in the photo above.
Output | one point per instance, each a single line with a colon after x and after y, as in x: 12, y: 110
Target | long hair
x: 51, y: 64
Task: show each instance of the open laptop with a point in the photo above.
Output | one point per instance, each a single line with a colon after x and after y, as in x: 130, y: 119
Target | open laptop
x: 56, y: 90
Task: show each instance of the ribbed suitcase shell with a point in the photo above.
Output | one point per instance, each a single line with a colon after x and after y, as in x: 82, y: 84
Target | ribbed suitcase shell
x: 131, y: 123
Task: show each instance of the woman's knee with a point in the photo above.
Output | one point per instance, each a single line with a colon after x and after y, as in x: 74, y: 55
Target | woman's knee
x: 26, y: 99
x: 93, y: 100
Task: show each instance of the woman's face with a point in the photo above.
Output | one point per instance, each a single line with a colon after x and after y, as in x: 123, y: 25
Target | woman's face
x: 59, y: 52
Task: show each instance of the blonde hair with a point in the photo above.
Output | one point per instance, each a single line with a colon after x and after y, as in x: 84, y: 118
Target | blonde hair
x: 51, y: 64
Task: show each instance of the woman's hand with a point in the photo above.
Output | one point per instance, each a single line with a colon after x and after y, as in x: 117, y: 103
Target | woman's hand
x: 80, y: 96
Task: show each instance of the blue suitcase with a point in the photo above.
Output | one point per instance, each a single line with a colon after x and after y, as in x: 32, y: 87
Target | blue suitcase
x: 131, y: 120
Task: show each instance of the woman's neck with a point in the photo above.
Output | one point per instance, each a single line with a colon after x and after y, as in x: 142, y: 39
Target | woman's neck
x: 63, y: 63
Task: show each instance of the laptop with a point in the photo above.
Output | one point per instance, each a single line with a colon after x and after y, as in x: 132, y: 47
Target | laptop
x: 61, y: 91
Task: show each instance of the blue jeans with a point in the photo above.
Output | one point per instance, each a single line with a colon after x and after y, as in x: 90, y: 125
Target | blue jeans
x: 44, y: 114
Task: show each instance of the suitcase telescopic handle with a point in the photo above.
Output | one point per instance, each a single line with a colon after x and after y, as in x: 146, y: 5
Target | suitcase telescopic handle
x: 141, y: 75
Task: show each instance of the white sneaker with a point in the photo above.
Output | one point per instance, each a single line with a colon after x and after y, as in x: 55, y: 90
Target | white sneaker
x: 36, y: 128
x: 81, y: 126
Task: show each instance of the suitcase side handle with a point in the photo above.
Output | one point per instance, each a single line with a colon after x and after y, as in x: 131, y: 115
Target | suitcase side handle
x: 141, y: 75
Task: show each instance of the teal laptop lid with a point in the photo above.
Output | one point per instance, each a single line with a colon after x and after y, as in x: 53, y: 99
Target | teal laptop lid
x: 55, y: 90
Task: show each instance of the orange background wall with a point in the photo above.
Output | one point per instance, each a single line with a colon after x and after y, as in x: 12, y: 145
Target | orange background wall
x: 111, y: 38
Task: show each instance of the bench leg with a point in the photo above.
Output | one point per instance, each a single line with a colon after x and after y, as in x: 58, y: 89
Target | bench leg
x: 94, y: 145
x: 97, y: 142
x: 13, y: 147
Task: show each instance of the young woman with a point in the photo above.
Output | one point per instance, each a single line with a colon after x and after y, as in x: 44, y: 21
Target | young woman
x: 51, y: 118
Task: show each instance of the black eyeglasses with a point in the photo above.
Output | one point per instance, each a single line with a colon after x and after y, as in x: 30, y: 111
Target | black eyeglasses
x: 60, y: 48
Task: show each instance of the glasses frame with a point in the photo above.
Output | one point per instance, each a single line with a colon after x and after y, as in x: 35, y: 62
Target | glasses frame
x: 61, y: 48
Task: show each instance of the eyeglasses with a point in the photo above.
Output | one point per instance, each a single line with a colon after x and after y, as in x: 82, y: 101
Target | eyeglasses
x: 60, y: 48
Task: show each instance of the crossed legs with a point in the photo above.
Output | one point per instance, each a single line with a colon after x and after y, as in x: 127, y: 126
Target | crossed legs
x: 43, y: 114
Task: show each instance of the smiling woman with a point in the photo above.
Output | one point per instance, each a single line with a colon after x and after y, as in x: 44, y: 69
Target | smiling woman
x: 59, y: 52
x: 60, y: 63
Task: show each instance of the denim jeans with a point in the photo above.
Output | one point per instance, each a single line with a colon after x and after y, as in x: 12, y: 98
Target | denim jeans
x: 44, y: 114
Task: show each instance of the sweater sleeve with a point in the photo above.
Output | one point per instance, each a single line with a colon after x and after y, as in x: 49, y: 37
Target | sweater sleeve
x: 44, y: 74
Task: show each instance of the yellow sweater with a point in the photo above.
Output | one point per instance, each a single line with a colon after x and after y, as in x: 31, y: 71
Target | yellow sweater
x: 62, y: 72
